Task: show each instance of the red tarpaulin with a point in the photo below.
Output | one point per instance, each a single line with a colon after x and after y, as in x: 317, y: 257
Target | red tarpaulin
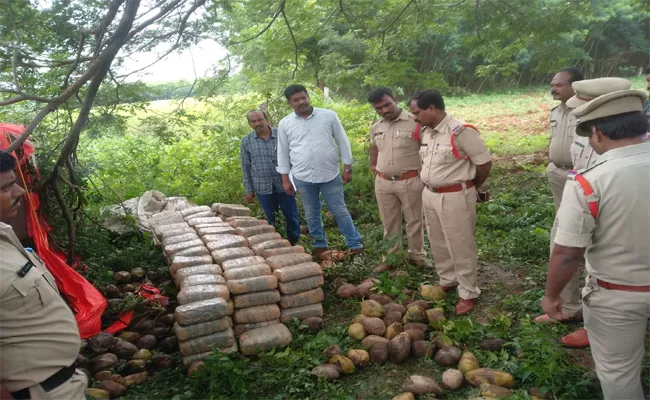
x: 86, y: 301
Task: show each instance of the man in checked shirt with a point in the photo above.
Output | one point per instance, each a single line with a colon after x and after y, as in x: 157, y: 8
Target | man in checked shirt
x: 258, y: 163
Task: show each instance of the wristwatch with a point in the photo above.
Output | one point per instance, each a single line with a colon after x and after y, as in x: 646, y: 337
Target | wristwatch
x: 348, y: 170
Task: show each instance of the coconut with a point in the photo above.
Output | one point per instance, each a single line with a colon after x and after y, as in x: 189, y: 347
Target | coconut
x: 391, y: 317
x: 144, y: 325
x: 140, y: 377
x: 123, y: 349
x: 315, y: 324
x: 325, y: 264
x: 162, y: 361
x: 168, y: 345
x: 393, y: 330
x: 432, y: 293
x: 382, y: 299
x: 422, y: 348
x: 103, y: 375
x: 358, y: 318
x: 98, y: 393
x: 113, y: 388
x: 103, y: 362
x: 101, y: 342
x: 419, y: 384
x: 414, y: 335
x: 166, y: 320
x: 371, y: 340
x: 161, y: 332
x: 440, y: 340
x: 419, y: 303
x: 395, y: 307
x: 374, y: 326
x: 399, y: 348
x: 492, y: 344
x: 452, y: 379
x: 494, y: 391
x: 379, y: 353
x: 404, y: 396
x: 360, y: 358
x: 468, y: 362
x: 357, y: 331
x: 448, y: 356
x: 133, y: 367
x: 346, y: 365
x: 137, y: 274
x: 142, y: 354
x: 122, y: 276
x: 346, y: 291
x: 418, y: 326
x: 81, y: 361
x: 434, y: 316
x: 129, y: 336
x: 414, y: 314
x: 371, y: 308
x: 331, y: 351
x: 128, y: 287
x: 111, y: 291
x: 115, y: 304
x: 147, y: 342
x: 328, y: 371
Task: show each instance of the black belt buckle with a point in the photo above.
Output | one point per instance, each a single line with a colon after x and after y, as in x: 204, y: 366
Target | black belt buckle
x: 51, y: 383
x: 432, y: 189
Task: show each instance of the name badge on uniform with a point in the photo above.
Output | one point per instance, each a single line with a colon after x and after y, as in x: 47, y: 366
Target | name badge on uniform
x: 579, y: 144
x: 25, y: 269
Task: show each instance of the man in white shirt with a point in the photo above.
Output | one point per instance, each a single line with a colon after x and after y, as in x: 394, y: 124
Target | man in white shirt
x: 309, y: 142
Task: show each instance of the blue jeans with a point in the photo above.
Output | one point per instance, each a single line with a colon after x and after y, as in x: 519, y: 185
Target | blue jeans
x: 333, y: 194
x: 287, y: 204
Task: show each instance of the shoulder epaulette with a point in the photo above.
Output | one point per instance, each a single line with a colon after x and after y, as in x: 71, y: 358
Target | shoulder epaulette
x: 455, y: 132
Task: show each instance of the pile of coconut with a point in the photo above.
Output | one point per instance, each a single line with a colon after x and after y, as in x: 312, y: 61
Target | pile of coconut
x: 391, y: 332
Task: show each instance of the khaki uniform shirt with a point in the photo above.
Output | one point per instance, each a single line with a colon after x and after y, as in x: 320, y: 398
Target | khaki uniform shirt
x: 618, y: 240
x: 398, y: 149
x: 440, y: 167
x: 563, y: 128
x: 582, y: 154
x: 38, y: 332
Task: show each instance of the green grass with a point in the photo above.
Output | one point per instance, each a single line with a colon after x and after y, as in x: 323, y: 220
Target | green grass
x: 194, y: 153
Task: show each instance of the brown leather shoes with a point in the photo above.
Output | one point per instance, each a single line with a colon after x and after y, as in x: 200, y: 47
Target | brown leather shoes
x: 546, y: 319
x: 317, y: 252
x: 464, y: 306
x: 383, y: 267
x: 576, y: 339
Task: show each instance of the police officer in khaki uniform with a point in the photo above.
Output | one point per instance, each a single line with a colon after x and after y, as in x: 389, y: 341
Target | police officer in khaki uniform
x: 395, y: 161
x: 455, y: 163
x: 39, y: 338
x: 582, y: 156
x: 604, y: 216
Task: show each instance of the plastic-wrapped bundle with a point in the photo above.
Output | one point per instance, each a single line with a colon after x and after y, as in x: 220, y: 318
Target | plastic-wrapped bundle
x: 215, y: 230
x: 201, y: 311
x: 300, y: 271
x: 186, y: 213
x: 202, y: 329
x: 180, y: 262
x: 205, y: 279
x: 259, y: 248
x: 257, y: 299
x: 194, y: 251
x: 286, y: 260
x: 242, y: 223
x: 264, y: 339
x: 203, y: 220
x: 282, y: 250
x: 256, y: 239
x: 233, y: 209
x: 241, y: 328
x: 250, y: 271
x: 159, y: 230
x: 257, y: 284
x: 301, y: 285
x: 165, y: 218
x: 202, y: 214
x: 172, y: 249
x: 180, y: 238
x: 187, y: 361
x: 224, y: 255
x: 256, y: 314
x: 206, y: 343
x: 210, y: 269
x: 301, y: 299
x: 192, y: 294
x: 220, y: 242
x: 312, y: 310
x: 255, y: 230
x: 237, y: 262
x: 176, y: 232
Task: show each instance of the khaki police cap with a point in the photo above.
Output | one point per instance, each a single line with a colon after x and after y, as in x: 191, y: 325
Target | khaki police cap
x: 614, y: 103
x: 589, y: 89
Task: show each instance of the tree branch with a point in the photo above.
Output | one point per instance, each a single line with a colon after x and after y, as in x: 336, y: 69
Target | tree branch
x: 164, y: 11
x: 260, y: 33
x: 295, y: 44
x: 23, y: 97
x: 67, y: 216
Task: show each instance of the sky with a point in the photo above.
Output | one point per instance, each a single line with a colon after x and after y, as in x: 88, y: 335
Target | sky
x: 176, y: 66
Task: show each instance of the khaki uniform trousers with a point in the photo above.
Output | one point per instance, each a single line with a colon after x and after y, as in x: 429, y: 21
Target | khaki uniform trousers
x: 571, y: 294
x: 73, y: 389
x: 392, y: 198
x: 616, y: 322
x: 451, y: 219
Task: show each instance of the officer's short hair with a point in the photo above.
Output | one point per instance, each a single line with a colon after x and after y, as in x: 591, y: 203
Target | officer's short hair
x: 7, y: 162
x: 621, y: 126
x: 576, y: 74
x: 248, y: 114
x: 293, y: 89
x: 427, y: 98
x: 377, y: 94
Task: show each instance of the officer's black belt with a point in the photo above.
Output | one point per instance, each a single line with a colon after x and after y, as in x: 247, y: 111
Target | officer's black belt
x: 49, y: 384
